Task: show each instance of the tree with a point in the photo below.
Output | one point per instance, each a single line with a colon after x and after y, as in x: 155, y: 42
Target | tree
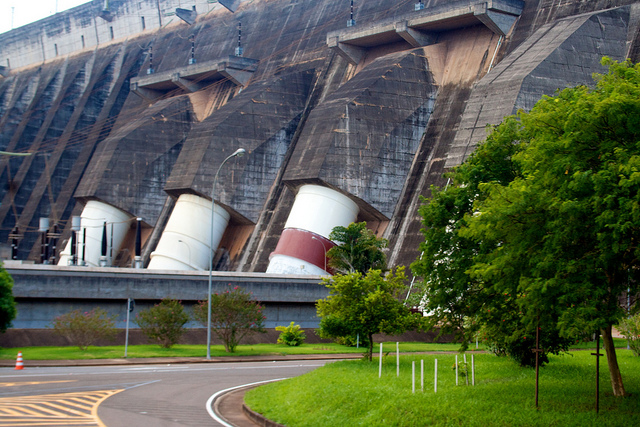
x: 7, y: 303
x: 234, y: 315
x: 163, y: 323
x: 85, y: 328
x: 365, y: 305
x: 561, y: 237
x: 456, y: 302
x: 357, y: 249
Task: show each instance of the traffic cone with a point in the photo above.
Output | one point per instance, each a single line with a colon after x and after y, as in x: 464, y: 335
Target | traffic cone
x: 19, y: 364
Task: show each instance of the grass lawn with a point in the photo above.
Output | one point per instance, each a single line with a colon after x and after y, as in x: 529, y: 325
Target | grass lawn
x: 151, y: 350
x: 350, y: 393
x: 133, y: 351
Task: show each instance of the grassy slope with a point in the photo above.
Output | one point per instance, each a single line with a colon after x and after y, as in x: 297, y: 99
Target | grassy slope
x: 350, y: 393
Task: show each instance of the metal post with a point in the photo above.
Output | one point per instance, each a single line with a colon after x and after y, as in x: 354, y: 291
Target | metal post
x: 597, y: 354
x: 239, y: 152
x: 126, y: 334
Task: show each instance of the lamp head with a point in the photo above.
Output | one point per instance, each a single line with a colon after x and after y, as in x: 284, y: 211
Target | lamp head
x: 239, y: 152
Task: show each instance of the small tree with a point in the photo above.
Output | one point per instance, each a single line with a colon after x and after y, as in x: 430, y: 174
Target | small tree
x: 163, y: 323
x: 7, y: 303
x: 630, y: 329
x: 85, y: 328
x: 291, y: 335
x: 364, y: 305
x: 358, y: 249
x: 234, y: 315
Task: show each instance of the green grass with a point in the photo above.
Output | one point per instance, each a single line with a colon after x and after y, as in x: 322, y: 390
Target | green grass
x: 350, y: 393
x: 135, y: 351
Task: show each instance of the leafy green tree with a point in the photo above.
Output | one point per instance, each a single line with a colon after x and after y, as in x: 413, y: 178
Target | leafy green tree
x: 456, y: 302
x: 560, y: 239
x: 83, y: 328
x: 630, y: 329
x: 234, y: 315
x: 358, y: 249
x: 7, y: 303
x: 365, y: 305
x: 163, y: 323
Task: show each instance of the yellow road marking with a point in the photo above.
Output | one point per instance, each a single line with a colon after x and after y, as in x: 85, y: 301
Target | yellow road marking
x: 33, y: 383
x: 64, y: 409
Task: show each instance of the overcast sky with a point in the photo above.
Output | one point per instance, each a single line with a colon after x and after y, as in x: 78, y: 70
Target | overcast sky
x: 26, y: 11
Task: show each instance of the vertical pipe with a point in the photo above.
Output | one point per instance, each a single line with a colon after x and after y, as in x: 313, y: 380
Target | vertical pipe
x: 126, y: 335
x: 380, y: 368
x: 138, y: 248
x: 456, y: 369
x: 435, y: 381
x: 422, y: 375
x: 473, y: 372
x: 74, y: 256
x: 397, y: 359
x: 84, y: 245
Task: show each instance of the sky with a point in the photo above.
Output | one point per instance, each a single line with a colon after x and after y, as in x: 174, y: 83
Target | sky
x: 26, y: 11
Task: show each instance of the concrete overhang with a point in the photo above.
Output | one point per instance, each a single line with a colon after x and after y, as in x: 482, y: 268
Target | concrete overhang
x: 420, y: 28
x: 194, y: 77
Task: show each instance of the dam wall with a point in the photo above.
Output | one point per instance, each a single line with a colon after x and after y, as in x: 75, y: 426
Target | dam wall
x: 140, y: 117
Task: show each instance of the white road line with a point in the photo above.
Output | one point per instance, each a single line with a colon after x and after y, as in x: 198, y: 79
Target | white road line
x: 213, y: 398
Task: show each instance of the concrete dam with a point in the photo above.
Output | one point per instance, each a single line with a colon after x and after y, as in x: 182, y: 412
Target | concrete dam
x: 131, y: 110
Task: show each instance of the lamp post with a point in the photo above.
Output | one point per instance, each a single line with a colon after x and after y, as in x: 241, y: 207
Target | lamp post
x: 239, y: 153
x: 324, y: 249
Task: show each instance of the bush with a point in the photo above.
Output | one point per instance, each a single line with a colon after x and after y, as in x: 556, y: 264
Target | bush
x: 85, y: 328
x: 291, y: 335
x: 234, y: 315
x: 163, y: 323
x: 630, y: 329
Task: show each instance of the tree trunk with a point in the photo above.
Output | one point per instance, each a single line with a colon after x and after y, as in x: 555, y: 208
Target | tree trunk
x: 370, y: 349
x: 612, y: 361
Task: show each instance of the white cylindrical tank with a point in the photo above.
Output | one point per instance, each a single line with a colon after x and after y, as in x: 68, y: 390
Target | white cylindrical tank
x: 94, y: 215
x: 303, y: 245
x: 185, y: 241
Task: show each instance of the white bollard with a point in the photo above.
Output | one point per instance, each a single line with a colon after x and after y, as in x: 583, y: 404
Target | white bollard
x: 466, y: 370
x: 473, y: 372
x: 397, y: 359
x: 456, y: 369
x: 422, y: 375
x: 413, y: 377
x: 435, y: 382
x: 380, y: 370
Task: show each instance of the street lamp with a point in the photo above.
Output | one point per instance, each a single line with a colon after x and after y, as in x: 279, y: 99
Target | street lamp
x: 324, y: 249
x: 238, y: 153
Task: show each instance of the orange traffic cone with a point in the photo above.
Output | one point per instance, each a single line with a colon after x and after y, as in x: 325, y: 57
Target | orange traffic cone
x: 19, y: 364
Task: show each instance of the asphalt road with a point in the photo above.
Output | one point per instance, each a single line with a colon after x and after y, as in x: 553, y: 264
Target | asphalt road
x: 168, y: 395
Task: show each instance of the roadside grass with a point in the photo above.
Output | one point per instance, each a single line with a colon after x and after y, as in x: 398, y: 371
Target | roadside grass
x: 350, y: 393
x: 150, y: 350
x: 184, y: 350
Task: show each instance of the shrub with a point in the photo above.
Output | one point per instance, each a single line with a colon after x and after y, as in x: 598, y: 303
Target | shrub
x: 291, y: 335
x: 85, y: 328
x: 630, y: 329
x: 234, y: 315
x: 163, y: 323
